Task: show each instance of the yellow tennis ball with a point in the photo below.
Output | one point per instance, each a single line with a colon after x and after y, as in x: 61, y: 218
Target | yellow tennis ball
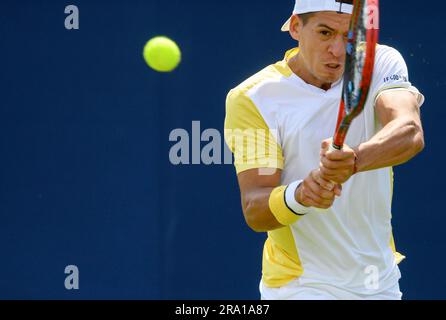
x: 162, y: 54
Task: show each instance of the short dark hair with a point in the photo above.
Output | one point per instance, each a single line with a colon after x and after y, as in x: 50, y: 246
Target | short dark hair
x: 305, y: 17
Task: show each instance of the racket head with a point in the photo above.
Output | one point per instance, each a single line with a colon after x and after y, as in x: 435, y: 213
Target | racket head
x: 359, y: 64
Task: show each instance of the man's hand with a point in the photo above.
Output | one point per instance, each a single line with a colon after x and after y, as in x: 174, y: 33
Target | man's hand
x: 317, y: 192
x: 338, y: 165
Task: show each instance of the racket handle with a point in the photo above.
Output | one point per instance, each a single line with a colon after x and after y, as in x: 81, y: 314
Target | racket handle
x: 332, y: 148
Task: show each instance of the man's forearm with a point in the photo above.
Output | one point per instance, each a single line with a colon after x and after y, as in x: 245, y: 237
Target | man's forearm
x: 396, y: 143
x: 257, y: 212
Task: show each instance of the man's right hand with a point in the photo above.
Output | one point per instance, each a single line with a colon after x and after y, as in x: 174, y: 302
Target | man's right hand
x: 317, y: 192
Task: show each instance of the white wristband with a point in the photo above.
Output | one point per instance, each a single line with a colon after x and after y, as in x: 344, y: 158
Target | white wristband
x: 291, y: 201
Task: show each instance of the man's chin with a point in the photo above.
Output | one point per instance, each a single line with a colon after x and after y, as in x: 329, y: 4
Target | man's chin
x: 332, y: 78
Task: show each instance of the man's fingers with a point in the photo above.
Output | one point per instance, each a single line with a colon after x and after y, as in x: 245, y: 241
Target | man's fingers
x: 337, y: 164
x: 325, y: 145
x: 321, y: 193
x: 338, y: 190
x: 328, y: 174
x: 326, y: 184
x: 315, y: 200
x: 339, y: 155
x: 309, y: 194
x: 336, y: 179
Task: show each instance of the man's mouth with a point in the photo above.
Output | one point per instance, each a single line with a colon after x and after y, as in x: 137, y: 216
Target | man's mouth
x: 333, y: 66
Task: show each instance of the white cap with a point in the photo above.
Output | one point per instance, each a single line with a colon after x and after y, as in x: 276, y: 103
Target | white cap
x: 307, y: 6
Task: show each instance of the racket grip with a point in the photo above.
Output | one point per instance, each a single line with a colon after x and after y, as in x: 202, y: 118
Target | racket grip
x: 332, y: 148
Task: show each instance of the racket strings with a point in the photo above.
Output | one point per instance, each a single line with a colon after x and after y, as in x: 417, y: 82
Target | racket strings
x: 356, y: 51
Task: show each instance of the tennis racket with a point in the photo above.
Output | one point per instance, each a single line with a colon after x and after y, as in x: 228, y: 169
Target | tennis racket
x: 359, y: 63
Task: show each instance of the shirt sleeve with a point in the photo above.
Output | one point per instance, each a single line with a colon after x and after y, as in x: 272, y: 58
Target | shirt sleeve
x: 247, y: 135
x: 391, y: 73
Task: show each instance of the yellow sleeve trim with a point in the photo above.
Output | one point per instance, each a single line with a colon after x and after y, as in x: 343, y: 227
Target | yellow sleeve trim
x: 248, y: 136
x: 279, y: 208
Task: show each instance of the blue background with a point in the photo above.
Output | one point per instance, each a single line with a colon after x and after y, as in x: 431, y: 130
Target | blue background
x: 85, y: 177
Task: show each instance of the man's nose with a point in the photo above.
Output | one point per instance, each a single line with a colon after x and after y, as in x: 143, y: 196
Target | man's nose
x: 337, y: 47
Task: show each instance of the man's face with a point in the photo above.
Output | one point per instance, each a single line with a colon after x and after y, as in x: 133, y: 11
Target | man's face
x: 322, y: 43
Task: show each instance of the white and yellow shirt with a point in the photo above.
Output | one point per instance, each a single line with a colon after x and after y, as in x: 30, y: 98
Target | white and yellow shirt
x: 335, y: 246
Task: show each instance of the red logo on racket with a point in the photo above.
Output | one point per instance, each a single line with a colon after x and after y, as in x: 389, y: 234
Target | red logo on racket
x: 373, y: 15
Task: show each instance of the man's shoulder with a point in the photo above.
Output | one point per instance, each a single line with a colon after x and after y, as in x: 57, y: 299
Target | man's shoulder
x: 385, y: 53
x: 271, y: 73
x: 380, y: 48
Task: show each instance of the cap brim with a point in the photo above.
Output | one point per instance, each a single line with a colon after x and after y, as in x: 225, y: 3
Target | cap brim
x: 286, y: 26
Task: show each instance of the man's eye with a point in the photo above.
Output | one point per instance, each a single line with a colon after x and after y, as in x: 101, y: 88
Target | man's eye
x: 325, y: 33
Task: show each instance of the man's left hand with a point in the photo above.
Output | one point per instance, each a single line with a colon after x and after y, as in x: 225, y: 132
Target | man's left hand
x: 338, y: 165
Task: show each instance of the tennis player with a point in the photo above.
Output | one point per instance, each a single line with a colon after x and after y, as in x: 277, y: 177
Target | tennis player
x: 327, y: 213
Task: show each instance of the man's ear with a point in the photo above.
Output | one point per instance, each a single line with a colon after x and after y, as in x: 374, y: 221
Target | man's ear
x: 295, y: 27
